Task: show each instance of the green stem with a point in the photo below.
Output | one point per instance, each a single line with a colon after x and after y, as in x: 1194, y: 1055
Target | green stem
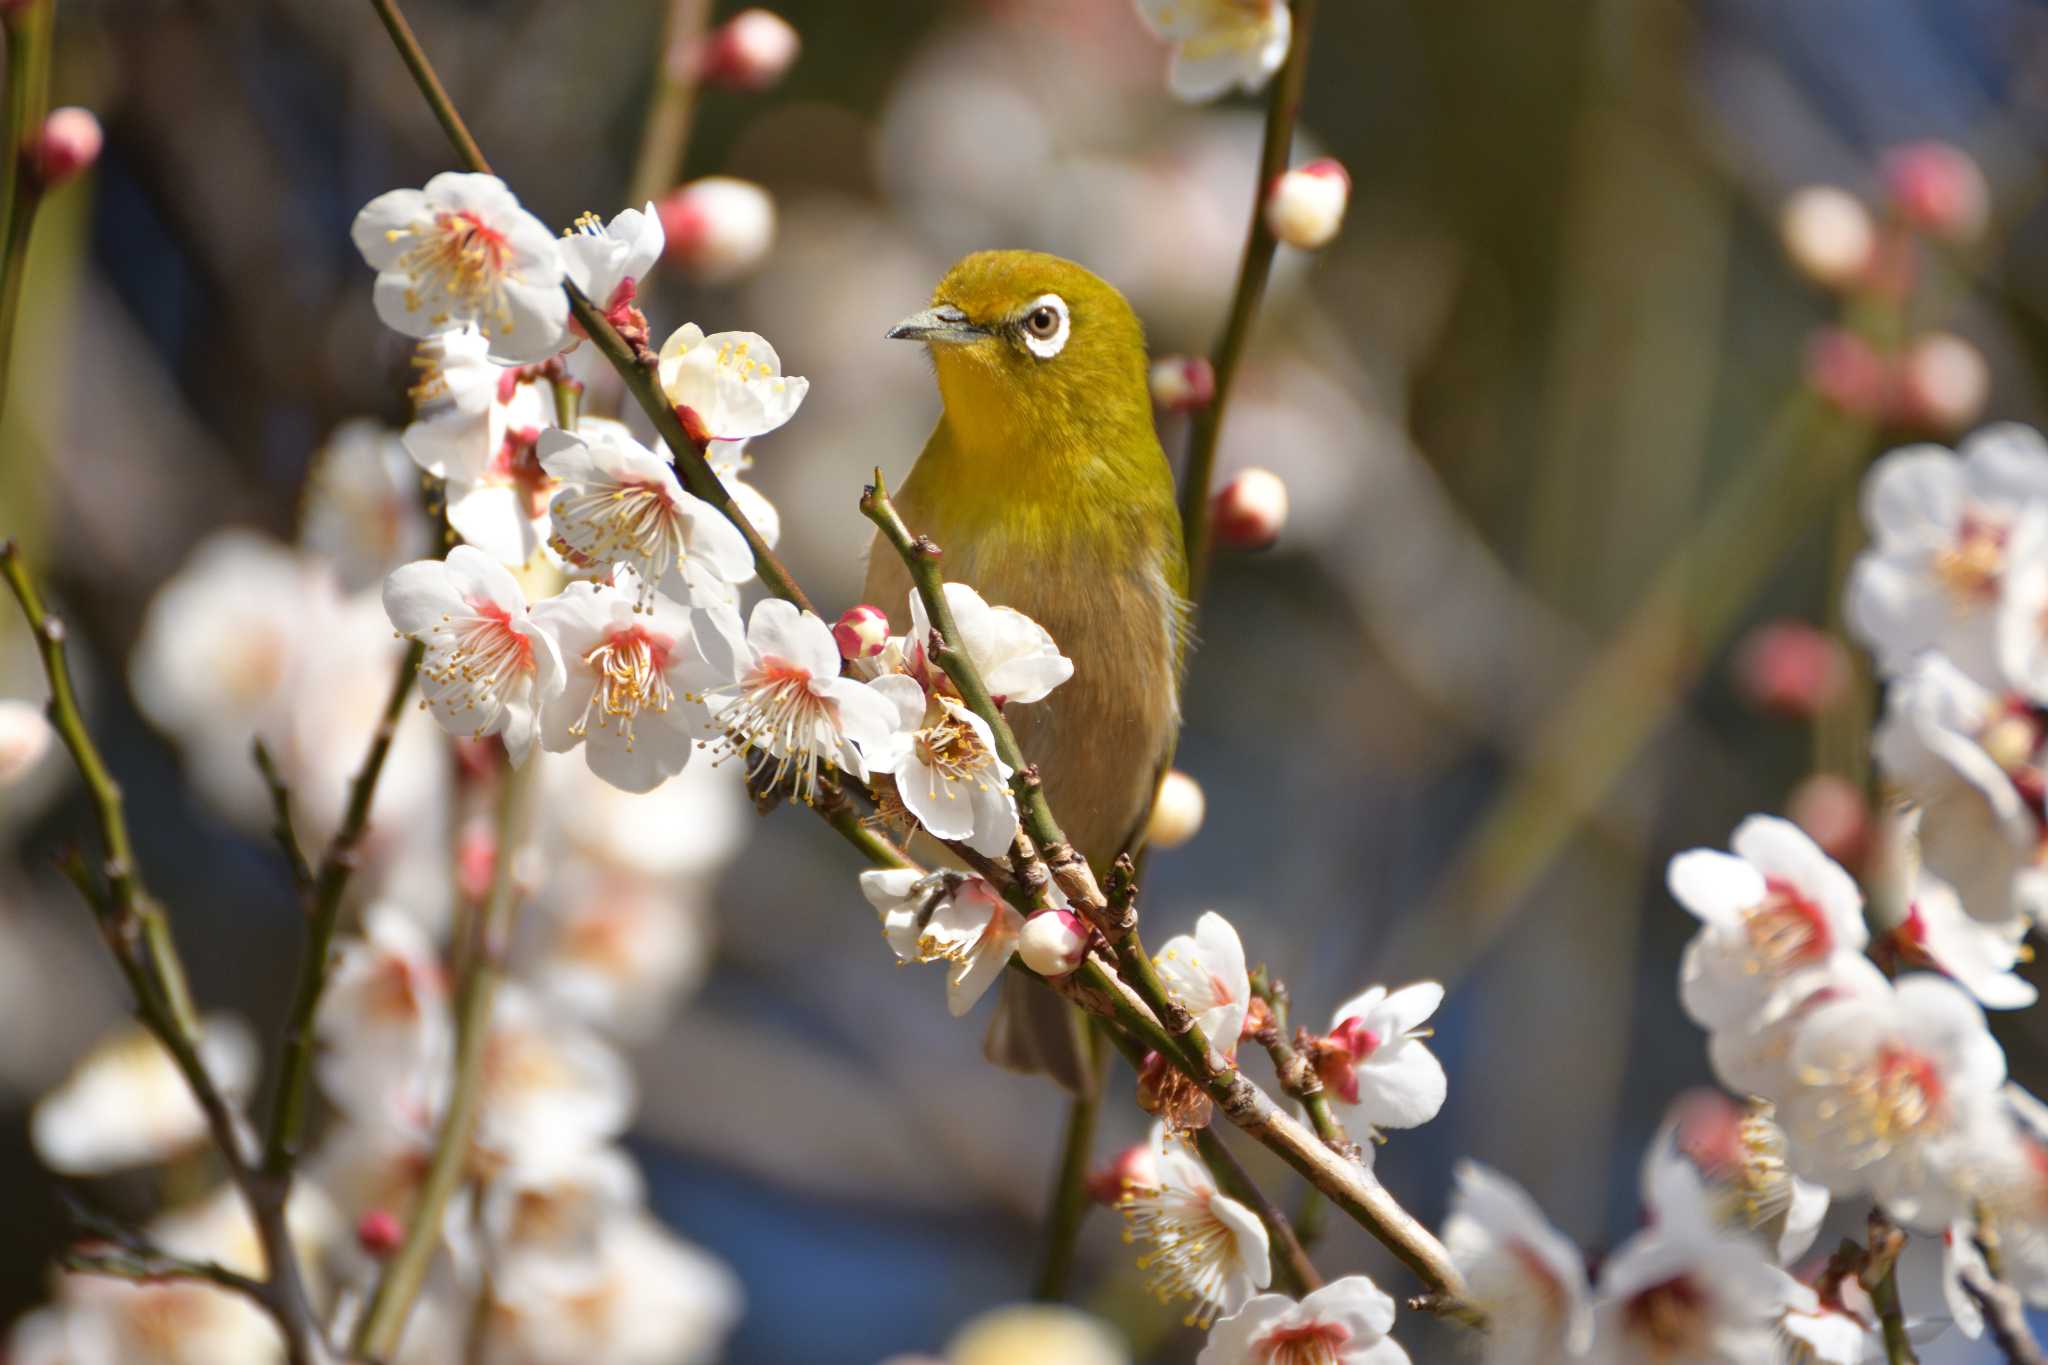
x: 1291, y: 1265
x: 323, y: 917
x: 29, y: 30
x: 383, y: 1321
x: 1283, y: 106
x: 677, y: 69
x: 415, y: 58
x: 1068, y: 1206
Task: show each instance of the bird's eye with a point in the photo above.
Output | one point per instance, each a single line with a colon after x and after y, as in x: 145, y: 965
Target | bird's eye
x: 1044, y: 325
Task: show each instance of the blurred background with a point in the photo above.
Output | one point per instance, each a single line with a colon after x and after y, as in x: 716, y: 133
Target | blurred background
x: 1558, y: 412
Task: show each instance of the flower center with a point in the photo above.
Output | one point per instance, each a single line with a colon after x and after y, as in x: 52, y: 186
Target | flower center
x: 951, y: 751
x: 457, y: 256
x: 630, y: 679
x: 1670, y: 1318
x: 1970, y: 566
x: 475, y: 660
x: 1192, y: 1248
x: 1905, y: 1093
x: 632, y: 522
x: 1318, y: 1343
x: 774, y: 710
x: 1785, y: 930
x: 1338, y: 1057
x: 516, y: 461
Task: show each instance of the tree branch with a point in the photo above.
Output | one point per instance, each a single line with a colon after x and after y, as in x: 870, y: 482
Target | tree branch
x: 2005, y: 1313
x: 29, y: 27
x: 1067, y: 1207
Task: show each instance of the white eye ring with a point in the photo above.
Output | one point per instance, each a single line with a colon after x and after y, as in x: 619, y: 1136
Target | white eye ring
x: 1045, y: 345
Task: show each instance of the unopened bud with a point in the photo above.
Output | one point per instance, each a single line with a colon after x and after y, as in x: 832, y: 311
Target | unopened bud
x: 1828, y: 235
x: 1134, y: 1168
x: 379, y: 1233
x: 69, y: 142
x: 1053, y: 942
x: 1305, y: 206
x: 1177, y: 811
x: 1848, y: 372
x: 1943, y: 383
x: 1938, y: 189
x: 24, y: 739
x: 862, y: 632
x: 1789, y: 668
x: 1707, y: 1128
x: 1835, y: 815
x: 718, y: 228
x: 476, y: 860
x: 1183, y: 383
x: 751, y: 50
x: 1250, y: 511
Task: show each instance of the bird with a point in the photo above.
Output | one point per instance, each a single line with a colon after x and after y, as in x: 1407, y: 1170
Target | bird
x: 1047, y: 491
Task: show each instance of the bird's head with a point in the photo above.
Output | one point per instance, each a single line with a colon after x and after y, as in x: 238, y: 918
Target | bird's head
x: 1030, y: 347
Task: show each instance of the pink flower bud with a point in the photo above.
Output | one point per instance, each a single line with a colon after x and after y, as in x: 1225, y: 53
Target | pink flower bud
x: 862, y: 632
x: 68, y: 144
x: 1938, y: 189
x: 379, y: 1233
x: 1833, y: 812
x: 1305, y: 206
x: 1134, y: 1168
x: 1844, y: 369
x: 1707, y: 1128
x: 1789, y: 668
x: 1943, y: 383
x: 1177, y: 811
x: 1053, y: 942
x: 751, y: 50
x: 25, y: 737
x: 718, y: 228
x: 1250, y: 510
x: 476, y: 860
x: 1828, y: 235
x: 1183, y: 383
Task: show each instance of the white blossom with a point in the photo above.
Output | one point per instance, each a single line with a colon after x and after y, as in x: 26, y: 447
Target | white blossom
x: 1204, y: 973
x: 463, y: 251
x: 1979, y: 957
x: 1219, y: 45
x: 384, y: 1028
x: 1015, y: 656
x: 1343, y: 1323
x: 551, y: 1087
x: 616, y: 948
x: 730, y: 461
x: 478, y: 427
x: 25, y: 736
x: 1374, y: 1063
x: 361, y: 510
x: 942, y: 757
x: 607, y: 261
x: 944, y: 917
x: 727, y: 386
x: 1772, y: 913
x: 126, y: 1104
x: 1523, y: 1273
x: 1205, y: 1245
x: 1753, y: 1057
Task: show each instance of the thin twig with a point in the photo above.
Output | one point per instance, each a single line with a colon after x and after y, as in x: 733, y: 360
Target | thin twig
x: 415, y: 58
x: 158, y: 1266
x: 1296, y: 1075
x: 383, y: 1321
x: 1880, y: 1277
x: 2005, y: 1313
x: 281, y: 819
x: 29, y: 30
x: 1296, y: 1273
x: 1068, y: 1205
x: 1283, y: 105
x: 678, y: 68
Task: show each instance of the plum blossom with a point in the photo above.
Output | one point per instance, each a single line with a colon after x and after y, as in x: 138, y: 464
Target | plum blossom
x: 1524, y: 1274
x: 384, y: 1026
x: 478, y: 426
x: 620, y: 505
x: 1753, y: 1057
x: 1771, y: 913
x: 1741, y: 1151
x: 126, y: 1104
x: 689, y: 826
x: 2009, y: 1181
x: 1344, y: 1323
x: 944, y: 917
x: 719, y: 227
x: 730, y: 461
x: 551, y: 1088
x: 1204, y: 972
x: 780, y: 701
x: 942, y: 757
x: 488, y: 667
x: 25, y: 736
x: 1219, y: 45
x: 727, y: 386
x: 1969, y: 760
x: 1886, y: 1092
x: 1685, y: 1288
x: 1205, y: 1245
x: 463, y: 251
x: 1945, y: 528
x: 561, y: 1207
x: 361, y: 509
x: 1937, y: 933
x: 1015, y: 656
x: 626, y: 698
x: 607, y: 261
x: 1374, y: 1063
x: 616, y: 948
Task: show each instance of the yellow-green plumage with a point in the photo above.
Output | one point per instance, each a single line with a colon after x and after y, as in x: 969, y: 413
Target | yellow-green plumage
x: 1045, y: 486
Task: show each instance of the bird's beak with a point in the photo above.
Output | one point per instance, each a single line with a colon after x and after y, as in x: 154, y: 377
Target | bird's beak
x: 944, y: 323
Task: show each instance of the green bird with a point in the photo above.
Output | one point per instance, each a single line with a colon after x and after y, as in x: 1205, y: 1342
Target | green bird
x: 1045, y: 486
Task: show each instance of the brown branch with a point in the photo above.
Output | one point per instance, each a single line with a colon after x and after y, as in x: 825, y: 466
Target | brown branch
x: 2005, y: 1313
x: 1297, y: 1076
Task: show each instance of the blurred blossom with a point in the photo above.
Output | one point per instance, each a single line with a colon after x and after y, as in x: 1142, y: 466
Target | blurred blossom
x: 1848, y: 372
x: 464, y: 251
x: 1790, y: 668
x: 1943, y: 383
x: 1741, y: 1150
x: 66, y: 146
x: 751, y: 51
x: 384, y: 1026
x: 560, y: 1208
x: 1828, y: 235
x: 1305, y: 206
x: 690, y: 825
x: 361, y: 513
x: 718, y: 228
x: 1220, y: 45
x: 1250, y: 510
x: 551, y: 1087
x: 1754, y: 1057
x: 1834, y: 814
x: 1182, y: 383
x: 126, y: 1104
x: 1343, y: 1323
x: 730, y: 461
x: 1939, y: 189
x: 1524, y: 1274
x: 1937, y: 933
x: 25, y: 736
x: 618, y: 950
x: 1036, y: 1334
x: 1177, y: 811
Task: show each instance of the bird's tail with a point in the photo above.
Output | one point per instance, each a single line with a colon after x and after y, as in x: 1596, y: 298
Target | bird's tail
x: 1033, y: 1030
